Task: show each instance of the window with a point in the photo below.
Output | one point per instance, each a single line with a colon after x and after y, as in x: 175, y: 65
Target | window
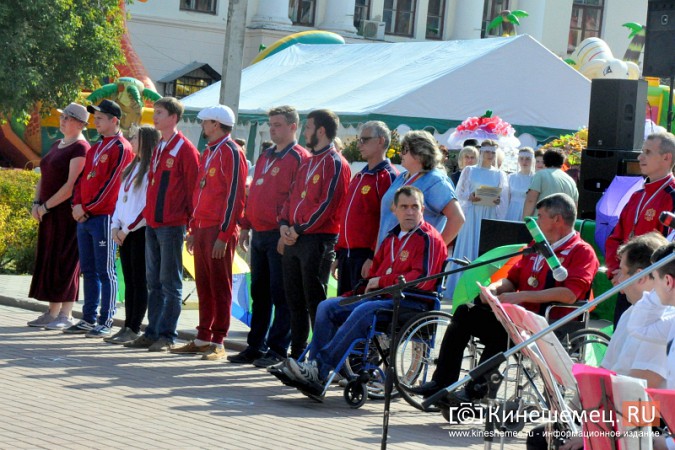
x: 189, y: 79
x: 586, y: 21
x: 361, y: 12
x: 435, y: 15
x: 203, y: 6
x: 301, y: 12
x: 491, y: 9
x: 399, y: 16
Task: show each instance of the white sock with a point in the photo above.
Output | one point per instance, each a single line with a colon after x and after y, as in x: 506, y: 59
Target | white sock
x: 200, y: 343
x: 220, y: 346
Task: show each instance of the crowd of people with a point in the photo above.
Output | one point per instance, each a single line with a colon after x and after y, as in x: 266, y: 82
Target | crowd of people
x: 303, y: 217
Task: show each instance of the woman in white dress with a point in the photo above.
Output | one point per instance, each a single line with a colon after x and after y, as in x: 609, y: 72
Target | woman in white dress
x: 485, y: 173
x: 519, y: 183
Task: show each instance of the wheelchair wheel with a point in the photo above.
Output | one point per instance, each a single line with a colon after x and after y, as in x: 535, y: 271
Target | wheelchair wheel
x: 356, y: 394
x: 416, y: 352
x: 587, y: 346
x: 378, y: 353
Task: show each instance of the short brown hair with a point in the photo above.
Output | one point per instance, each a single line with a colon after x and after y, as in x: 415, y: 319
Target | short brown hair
x: 327, y: 119
x: 172, y: 105
x: 289, y: 113
x: 637, y: 252
x: 409, y: 191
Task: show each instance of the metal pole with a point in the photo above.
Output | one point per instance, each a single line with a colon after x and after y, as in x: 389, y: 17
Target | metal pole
x: 233, y: 53
x: 496, y: 360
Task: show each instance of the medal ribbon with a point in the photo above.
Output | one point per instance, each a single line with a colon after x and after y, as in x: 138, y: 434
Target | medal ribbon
x: 539, y: 260
x: 212, y: 153
x: 158, y: 154
x: 640, y: 208
x: 392, y: 256
x: 101, y: 150
x: 311, y: 170
x: 130, y: 178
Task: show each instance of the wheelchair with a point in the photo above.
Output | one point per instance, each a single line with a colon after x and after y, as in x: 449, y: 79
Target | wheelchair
x: 361, y: 370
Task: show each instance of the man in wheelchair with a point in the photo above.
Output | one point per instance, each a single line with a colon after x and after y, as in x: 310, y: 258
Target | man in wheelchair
x: 530, y: 284
x: 413, y: 249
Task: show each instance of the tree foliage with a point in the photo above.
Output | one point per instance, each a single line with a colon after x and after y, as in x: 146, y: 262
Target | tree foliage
x: 52, y: 49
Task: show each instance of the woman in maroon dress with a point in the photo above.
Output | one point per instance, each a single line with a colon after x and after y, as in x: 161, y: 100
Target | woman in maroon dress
x: 57, y: 269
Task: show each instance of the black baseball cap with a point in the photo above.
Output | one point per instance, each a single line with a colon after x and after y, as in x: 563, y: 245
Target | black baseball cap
x: 108, y: 107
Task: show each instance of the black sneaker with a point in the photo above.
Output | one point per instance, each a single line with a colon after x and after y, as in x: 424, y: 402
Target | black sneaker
x: 80, y: 327
x: 245, y: 357
x: 270, y: 359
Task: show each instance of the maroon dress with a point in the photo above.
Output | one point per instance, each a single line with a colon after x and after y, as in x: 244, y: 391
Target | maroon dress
x: 57, y: 265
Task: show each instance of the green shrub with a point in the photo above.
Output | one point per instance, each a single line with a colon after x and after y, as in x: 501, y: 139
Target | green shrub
x: 18, y: 230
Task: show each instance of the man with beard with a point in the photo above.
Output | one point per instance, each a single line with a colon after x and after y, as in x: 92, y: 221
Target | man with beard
x: 309, y: 224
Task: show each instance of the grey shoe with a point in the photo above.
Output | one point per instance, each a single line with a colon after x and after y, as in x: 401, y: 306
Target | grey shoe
x: 42, y: 321
x: 121, y: 330
x: 60, y: 323
x: 161, y: 345
x: 140, y: 342
x: 123, y: 336
x: 269, y: 359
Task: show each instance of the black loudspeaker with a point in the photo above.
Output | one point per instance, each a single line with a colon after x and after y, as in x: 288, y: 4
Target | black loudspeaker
x: 659, y: 58
x: 617, y: 117
x: 495, y: 233
x: 598, y: 169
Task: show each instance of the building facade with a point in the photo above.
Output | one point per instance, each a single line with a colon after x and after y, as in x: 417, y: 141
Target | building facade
x: 181, y: 41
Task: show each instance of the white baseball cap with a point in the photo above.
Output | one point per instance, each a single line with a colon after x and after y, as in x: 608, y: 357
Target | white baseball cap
x: 219, y: 113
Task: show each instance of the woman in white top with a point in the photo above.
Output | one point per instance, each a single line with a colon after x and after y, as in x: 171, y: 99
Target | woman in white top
x: 128, y: 231
x: 475, y: 208
x: 519, y: 183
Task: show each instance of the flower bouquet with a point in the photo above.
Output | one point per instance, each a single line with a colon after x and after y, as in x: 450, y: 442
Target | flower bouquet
x: 484, y: 127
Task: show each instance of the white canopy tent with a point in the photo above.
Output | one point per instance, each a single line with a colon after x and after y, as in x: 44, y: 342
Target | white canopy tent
x: 417, y: 84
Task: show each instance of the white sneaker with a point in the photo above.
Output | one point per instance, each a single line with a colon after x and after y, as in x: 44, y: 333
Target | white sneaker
x: 60, y: 323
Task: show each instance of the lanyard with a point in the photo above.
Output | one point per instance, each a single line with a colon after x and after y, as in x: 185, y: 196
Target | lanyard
x: 412, y: 178
x: 130, y: 178
x: 101, y: 150
x: 392, y: 256
x: 311, y: 170
x: 160, y: 150
x: 212, y: 153
x: 640, y: 208
x: 539, y: 261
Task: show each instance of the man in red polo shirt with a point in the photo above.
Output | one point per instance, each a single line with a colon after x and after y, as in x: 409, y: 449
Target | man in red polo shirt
x: 360, y: 215
x: 309, y: 224
x: 94, y: 199
x: 641, y: 213
x: 275, y: 173
x: 218, y: 200
x: 529, y: 283
x: 171, y: 176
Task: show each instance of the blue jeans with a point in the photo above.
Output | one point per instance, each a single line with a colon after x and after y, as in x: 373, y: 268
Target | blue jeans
x: 164, y: 274
x: 267, y: 291
x: 338, y: 326
x: 97, y: 263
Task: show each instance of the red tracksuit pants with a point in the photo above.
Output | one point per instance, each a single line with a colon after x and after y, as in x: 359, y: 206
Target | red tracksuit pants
x: 214, y: 285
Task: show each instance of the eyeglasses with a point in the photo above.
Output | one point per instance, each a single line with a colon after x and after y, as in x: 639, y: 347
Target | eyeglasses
x: 64, y: 117
x: 365, y: 139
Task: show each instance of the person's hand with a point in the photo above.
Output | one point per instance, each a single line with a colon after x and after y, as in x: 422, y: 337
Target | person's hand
x: 473, y: 198
x: 115, y: 238
x: 121, y: 236
x: 365, y: 269
x: 190, y: 244
x: 373, y: 284
x: 497, y: 201
x: 333, y: 269
x: 79, y: 214
x: 219, y: 248
x: 243, y: 240
x: 513, y: 298
x: 34, y: 213
x: 281, y: 246
x: 483, y: 298
x: 287, y: 234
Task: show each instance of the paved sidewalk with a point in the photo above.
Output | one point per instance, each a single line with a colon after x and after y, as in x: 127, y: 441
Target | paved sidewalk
x: 61, y: 391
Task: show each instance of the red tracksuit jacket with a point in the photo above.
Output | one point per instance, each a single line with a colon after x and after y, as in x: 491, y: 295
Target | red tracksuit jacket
x: 171, y: 179
x: 99, y: 183
x: 220, y: 192
x: 316, y: 197
x: 274, y: 175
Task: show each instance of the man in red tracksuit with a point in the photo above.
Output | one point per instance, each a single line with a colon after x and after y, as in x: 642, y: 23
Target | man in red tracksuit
x: 309, y: 224
x: 218, y: 200
x: 360, y: 215
x: 641, y: 213
x: 94, y: 199
x: 171, y: 176
x: 275, y: 173
x: 413, y: 249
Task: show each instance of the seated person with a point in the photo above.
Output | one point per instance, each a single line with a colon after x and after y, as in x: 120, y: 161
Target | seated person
x: 627, y: 354
x: 630, y: 354
x: 530, y: 284
x: 413, y: 249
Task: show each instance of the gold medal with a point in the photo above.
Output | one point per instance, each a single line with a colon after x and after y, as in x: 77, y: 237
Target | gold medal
x: 388, y: 272
x: 202, y: 183
x: 532, y: 281
x: 259, y: 181
x: 153, y: 181
x: 303, y: 194
x: 91, y: 175
x: 124, y: 199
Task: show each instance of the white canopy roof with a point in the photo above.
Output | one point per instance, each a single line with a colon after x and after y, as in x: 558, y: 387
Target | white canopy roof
x: 421, y: 84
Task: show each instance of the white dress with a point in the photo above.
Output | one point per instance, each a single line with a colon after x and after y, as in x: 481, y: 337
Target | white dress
x: 468, y: 239
x: 518, y: 186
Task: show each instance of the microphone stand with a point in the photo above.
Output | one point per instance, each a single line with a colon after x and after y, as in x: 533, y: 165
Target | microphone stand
x: 396, y: 291
x: 492, y: 364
